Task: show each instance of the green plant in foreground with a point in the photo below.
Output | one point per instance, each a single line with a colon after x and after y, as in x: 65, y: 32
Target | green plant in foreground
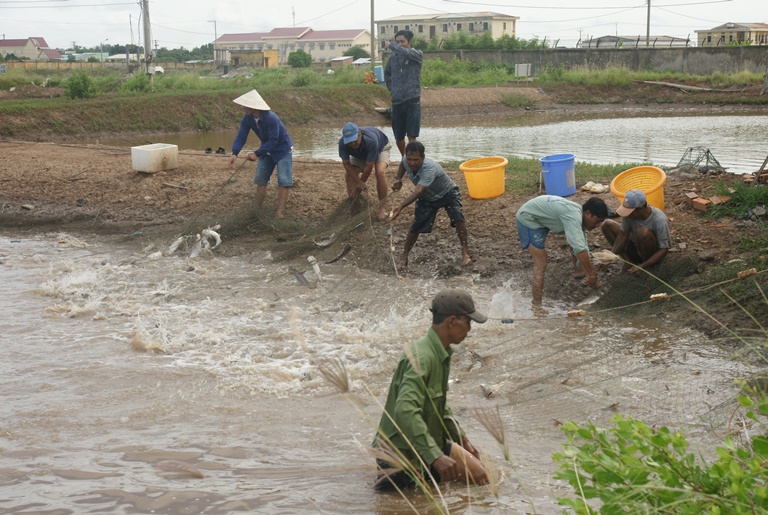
x: 633, y: 468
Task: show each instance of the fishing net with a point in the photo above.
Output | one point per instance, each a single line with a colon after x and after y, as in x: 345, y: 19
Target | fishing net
x: 701, y: 158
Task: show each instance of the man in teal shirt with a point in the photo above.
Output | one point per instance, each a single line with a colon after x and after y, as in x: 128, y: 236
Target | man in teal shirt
x: 417, y: 424
x: 540, y: 215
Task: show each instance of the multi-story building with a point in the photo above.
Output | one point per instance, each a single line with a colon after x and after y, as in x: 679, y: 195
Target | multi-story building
x: 34, y: 49
x: 442, y: 26
x: 322, y: 45
x: 734, y: 33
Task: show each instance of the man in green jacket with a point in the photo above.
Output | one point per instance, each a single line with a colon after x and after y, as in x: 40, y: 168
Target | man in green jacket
x: 417, y: 427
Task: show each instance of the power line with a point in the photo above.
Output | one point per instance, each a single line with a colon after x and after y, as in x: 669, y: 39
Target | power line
x: 62, y: 6
x: 186, y: 31
x: 326, y: 14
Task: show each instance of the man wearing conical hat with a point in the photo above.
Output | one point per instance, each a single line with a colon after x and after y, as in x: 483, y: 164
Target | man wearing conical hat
x: 275, y: 150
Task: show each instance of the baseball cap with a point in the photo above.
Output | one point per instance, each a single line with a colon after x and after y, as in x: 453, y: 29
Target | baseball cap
x: 349, y: 132
x: 454, y: 301
x: 632, y: 200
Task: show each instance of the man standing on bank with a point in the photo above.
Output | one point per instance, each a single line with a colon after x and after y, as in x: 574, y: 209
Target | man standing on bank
x: 434, y: 190
x: 642, y: 239
x: 417, y: 424
x: 540, y: 215
x: 403, y: 78
x: 365, y: 150
x: 276, y: 148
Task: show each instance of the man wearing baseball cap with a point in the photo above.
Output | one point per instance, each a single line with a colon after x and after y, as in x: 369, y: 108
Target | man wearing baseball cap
x: 365, y: 150
x: 642, y: 240
x: 417, y: 435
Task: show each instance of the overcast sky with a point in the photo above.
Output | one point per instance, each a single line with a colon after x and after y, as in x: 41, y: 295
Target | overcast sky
x: 189, y: 23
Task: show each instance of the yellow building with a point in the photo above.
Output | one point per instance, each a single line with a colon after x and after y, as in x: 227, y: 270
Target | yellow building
x: 255, y: 58
x: 442, y: 26
x: 34, y: 49
x: 734, y: 33
x: 322, y: 45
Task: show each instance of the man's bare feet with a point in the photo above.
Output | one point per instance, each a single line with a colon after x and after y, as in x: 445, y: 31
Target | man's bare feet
x: 465, y: 259
x: 383, y: 214
x: 403, y: 264
x: 578, y: 274
x: 279, y: 215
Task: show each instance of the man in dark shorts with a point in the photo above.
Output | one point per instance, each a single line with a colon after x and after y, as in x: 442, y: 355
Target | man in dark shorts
x: 365, y: 150
x: 402, y: 76
x: 417, y: 435
x: 642, y: 240
x: 434, y: 190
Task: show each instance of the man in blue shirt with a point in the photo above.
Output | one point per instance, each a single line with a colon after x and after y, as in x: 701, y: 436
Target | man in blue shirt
x: 363, y: 150
x: 402, y: 76
x: 275, y: 150
x: 434, y: 190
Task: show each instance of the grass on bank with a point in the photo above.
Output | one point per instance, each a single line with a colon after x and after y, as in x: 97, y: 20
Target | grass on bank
x: 435, y: 72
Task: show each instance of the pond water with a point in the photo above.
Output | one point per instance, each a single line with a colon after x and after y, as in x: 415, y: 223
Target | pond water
x: 738, y: 142
x: 114, y: 361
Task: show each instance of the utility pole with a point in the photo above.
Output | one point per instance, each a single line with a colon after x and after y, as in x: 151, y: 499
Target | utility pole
x: 373, y: 41
x: 648, y: 26
x: 215, y: 37
x: 147, y: 41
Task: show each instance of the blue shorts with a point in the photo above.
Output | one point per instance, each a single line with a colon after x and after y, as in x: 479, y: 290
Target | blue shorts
x: 267, y: 165
x: 406, y: 119
x: 426, y: 211
x: 530, y: 236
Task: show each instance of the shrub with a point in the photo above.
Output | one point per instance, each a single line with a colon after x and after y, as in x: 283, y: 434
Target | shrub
x: 633, y: 468
x: 300, y: 59
x: 357, y: 52
x: 138, y: 83
x: 304, y: 78
x: 80, y: 85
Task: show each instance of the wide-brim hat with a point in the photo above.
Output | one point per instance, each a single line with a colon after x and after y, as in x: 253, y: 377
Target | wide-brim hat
x: 253, y: 100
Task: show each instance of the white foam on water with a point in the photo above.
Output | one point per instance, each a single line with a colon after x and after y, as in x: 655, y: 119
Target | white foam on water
x: 252, y: 325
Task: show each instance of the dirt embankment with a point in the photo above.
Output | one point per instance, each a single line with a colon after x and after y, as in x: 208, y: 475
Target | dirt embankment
x: 54, y: 187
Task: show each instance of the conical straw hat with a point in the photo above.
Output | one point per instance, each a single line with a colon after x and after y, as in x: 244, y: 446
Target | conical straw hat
x: 253, y: 100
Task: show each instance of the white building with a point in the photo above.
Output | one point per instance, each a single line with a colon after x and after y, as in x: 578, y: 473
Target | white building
x: 442, y: 26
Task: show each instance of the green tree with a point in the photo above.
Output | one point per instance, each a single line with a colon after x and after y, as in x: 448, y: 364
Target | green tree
x: 300, y: 59
x: 357, y: 52
x: 80, y: 85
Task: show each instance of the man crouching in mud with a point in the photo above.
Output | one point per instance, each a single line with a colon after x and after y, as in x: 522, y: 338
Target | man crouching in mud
x: 434, y: 190
x: 417, y: 438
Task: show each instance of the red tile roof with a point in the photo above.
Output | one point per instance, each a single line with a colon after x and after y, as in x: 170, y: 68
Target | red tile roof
x: 324, y: 35
x: 287, y: 32
x: 243, y: 36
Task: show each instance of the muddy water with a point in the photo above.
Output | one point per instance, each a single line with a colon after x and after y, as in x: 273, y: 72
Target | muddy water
x: 114, y: 362
x: 738, y: 142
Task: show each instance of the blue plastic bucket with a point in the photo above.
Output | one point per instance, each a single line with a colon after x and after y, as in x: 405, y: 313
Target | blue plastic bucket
x: 379, y: 72
x: 559, y: 174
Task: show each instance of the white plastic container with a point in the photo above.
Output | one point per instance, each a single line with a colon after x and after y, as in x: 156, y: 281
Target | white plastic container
x: 154, y: 158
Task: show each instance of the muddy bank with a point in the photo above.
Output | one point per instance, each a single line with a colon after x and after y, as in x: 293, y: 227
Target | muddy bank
x: 92, y: 190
